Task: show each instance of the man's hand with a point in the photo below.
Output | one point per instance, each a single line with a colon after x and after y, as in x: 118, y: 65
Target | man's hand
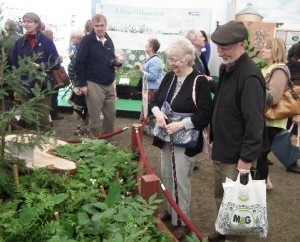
x: 296, y: 119
x: 243, y: 166
x: 84, y: 90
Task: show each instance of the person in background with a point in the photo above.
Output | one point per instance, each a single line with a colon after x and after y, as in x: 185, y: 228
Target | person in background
x: 88, y: 27
x: 292, y: 50
x: 54, y: 102
x: 8, y: 41
x: 95, y: 70
x: 76, y: 37
x: 177, y: 88
x: 34, y: 41
x: 276, y: 74
x: 198, y: 41
x: 206, y: 50
x: 152, y: 73
x: 239, y: 106
x: 294, y: 67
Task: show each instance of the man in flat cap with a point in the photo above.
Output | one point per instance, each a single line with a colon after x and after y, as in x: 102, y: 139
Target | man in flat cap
x: 238, y: 117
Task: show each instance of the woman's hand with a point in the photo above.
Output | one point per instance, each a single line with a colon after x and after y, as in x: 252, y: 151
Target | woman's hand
x: 296, y: 119
x: 174, y: 127
x: 160, y: 119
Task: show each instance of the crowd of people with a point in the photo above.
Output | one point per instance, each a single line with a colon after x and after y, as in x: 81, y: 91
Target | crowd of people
x: 241, y: 135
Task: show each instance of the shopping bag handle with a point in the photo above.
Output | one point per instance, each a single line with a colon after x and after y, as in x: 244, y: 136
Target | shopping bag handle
x: 247, y: 173
x: 291, y: 128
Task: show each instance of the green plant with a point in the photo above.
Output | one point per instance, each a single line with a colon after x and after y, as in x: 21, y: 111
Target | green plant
x: 85, y: 215
x: 11, y: 81
x: 254, y: 54
x: 100, y: 162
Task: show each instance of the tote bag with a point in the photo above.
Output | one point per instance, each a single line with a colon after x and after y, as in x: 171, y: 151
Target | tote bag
x: 244, y: 208
x: 284, y: 150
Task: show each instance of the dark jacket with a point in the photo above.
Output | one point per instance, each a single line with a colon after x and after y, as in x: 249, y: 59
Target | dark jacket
x: 183, y: 103
x: 48, y: 55
x: 238, y: 117
x: 94, y: 61
x: 203, y: 69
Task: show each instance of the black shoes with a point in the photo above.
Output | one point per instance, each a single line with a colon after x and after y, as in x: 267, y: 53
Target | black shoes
x: 215, y: 237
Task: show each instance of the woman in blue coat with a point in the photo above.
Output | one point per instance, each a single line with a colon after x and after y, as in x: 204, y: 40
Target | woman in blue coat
x: 34, y: 42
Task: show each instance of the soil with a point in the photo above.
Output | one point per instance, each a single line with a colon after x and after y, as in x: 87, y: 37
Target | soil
x: 283, y: 201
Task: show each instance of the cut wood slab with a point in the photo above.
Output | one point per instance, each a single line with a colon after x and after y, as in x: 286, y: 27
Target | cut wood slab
x: 44, y: 158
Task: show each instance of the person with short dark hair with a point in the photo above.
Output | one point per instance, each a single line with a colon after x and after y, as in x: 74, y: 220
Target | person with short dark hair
x: 152, y: 74
x: 206, y: 50
x: 238, y: 120
x: 95, y: 69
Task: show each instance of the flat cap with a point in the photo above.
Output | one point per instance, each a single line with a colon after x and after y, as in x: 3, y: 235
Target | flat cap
x: 229, y: 33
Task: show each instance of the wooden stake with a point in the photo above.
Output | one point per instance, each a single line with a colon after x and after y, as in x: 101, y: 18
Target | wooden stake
x: 103, y: 191
x: 117, y: 175
x: 16, y: 175
x: 56, y: 214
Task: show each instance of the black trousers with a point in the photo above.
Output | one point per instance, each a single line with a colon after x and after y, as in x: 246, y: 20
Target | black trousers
x: 262, y: 161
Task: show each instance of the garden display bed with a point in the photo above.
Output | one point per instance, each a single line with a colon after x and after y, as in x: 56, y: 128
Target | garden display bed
x: 97, y: 203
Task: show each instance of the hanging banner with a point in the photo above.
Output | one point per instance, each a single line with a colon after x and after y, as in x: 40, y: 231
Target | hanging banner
x: 130, y: 26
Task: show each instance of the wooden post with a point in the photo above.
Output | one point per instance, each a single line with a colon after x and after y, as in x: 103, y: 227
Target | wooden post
x: 134, y: 143
x: 102, y: 190
x: 56, y: 215
x: 16, y: 175
x: 149, y: 186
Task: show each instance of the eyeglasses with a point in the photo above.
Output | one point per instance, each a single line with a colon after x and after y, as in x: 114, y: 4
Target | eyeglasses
x: 172, y: 60
x: 28, y: 22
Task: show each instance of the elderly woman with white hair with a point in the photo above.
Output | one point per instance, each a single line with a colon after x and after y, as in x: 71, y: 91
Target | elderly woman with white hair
x: 32, y: 42
x: 177, y: 88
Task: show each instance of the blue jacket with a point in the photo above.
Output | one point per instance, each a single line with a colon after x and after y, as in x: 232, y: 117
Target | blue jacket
x: 94, y: 61
x: 153, y: 68
x: 48, y: 56
x: 44, y: 46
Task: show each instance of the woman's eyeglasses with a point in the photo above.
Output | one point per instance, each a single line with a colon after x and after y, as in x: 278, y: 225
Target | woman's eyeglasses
x: 172, y: 60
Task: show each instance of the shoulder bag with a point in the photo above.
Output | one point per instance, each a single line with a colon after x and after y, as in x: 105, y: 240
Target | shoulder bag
x: 60, y: 78
x: 289, y: 104
x: 187, y: 138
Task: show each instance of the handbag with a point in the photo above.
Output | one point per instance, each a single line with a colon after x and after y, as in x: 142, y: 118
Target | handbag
x: 187, y: 138
x: 60, y: 78
x: 289, y: 104
x: 286, y: 152
x: 244, y: 208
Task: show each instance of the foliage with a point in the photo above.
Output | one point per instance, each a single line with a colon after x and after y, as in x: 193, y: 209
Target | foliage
x: 192, y: 237
x: 100, y: 162
x: 85, y: 215
x: 130, y: 68
x: 254, y: 54
x: 11, y: 80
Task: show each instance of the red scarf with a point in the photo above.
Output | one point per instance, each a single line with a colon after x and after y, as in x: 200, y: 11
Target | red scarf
x: 31, y: 38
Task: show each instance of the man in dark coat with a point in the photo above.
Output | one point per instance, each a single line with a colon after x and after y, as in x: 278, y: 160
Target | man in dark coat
x: 238, y: 117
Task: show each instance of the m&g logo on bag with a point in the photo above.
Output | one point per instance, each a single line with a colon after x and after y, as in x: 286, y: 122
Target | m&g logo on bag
x: 242, y: 219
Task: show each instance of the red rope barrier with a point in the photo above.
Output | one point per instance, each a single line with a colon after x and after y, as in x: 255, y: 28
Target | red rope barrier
x: 104, y: 136
x: 16, y: 126
x: 188, y: 223
x: 142, y: 152
x: 74, y: 141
